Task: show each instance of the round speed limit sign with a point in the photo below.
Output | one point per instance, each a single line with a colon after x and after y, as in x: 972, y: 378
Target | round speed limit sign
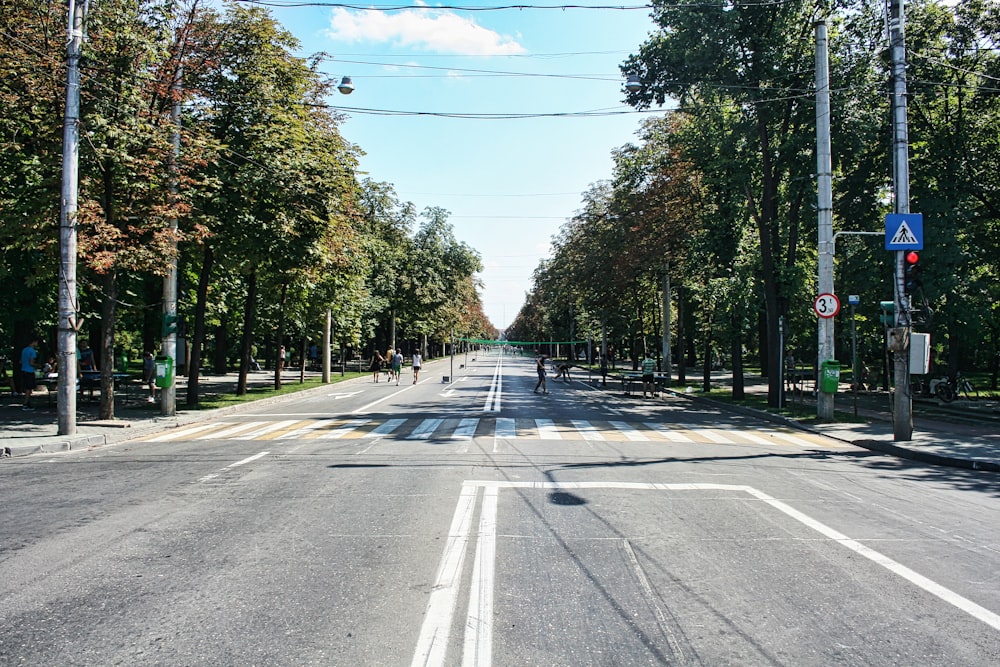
x: 827, y: 305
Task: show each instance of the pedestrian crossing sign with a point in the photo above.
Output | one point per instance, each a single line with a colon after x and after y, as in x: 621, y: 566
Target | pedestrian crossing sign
x: 904, y: 231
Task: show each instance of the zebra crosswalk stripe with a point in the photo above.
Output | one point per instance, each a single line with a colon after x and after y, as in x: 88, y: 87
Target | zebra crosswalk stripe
x: 669, y: 433
x: 505, y: 428
x: 182, y: 433
x: 349, y: 425
x: 226, y: 432
x: 302, y: 430
x: 425, y: 430
x: 632, y: 433
x: 587, y: 430
x: 466, y: 429
x: 271, y: 428
x: 384, y: 428
x: 547, y: 430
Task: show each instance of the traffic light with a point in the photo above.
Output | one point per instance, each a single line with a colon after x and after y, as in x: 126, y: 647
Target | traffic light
x: 169, y: 325
x: 911, y: 272
x: 887, y: 316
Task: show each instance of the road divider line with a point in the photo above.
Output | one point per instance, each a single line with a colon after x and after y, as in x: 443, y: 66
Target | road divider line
x: 432, y: 644
x: 384, y: 398
x: 478, y: 641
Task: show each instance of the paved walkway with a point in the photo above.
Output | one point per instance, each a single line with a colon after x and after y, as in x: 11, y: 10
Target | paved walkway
x: 962, y: 434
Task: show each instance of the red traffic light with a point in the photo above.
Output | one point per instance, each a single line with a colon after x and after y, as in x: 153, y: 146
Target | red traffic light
x: 912, y: 257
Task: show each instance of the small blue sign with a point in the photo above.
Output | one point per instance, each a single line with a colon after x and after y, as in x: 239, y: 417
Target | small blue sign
x: 904, y: 231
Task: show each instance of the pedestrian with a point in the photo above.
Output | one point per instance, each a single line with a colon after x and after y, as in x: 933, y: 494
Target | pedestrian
x: 648, y: 376
x: 397, y: 364
x: 563, y: 369
x: 389, y: 355
x: 29, y: 362
x: 375, y: 366
x: 149, y: 375
x: 416, y: 366
x: 85, y: 359
x: 540, y: 369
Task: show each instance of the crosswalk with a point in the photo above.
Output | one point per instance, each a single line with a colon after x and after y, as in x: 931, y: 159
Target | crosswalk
x: 499, y: 428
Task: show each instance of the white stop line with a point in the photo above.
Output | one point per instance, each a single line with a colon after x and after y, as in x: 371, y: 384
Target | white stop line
x: 478, y: 639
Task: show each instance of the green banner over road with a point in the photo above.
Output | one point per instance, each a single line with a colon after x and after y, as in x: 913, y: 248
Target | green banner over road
x: 522, y: 343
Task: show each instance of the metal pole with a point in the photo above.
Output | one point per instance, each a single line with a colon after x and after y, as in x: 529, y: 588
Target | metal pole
x: 68, y: 324
x: 326, y: 346
x: 781, y: 361
x: 824, y: 176
x: 168, y: 397
x: 854, y: 359
x: 902, y: 414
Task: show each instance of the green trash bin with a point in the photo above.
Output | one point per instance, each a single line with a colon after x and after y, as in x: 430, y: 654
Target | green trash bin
x: 829, y: 377
x: 164, y: 372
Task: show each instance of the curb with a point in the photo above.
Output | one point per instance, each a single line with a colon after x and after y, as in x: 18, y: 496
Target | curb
x: 927, y: 457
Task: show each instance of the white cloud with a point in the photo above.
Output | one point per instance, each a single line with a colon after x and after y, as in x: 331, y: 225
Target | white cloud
x: 429, y: 30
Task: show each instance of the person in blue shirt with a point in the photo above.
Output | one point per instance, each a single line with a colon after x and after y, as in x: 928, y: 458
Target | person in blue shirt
x: 29, y: 362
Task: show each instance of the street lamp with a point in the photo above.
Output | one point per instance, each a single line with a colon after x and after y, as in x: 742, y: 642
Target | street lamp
x: 633, y: 84
x: 346, y: 86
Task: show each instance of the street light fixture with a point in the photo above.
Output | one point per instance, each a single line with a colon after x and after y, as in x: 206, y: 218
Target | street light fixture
x: 346, y: 86
x: 633, y: 84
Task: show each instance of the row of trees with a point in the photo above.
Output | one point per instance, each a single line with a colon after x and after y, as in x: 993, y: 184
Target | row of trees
x: 273, y: 226
x: 718, y: 196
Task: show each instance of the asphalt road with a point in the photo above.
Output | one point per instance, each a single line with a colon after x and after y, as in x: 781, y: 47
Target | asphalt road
x: 477, y: 523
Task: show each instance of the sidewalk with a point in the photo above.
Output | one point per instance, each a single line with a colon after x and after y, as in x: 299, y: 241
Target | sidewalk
x: 23, y: 433
x: 962, y: 434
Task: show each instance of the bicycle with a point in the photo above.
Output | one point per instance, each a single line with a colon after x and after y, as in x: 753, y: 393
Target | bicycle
x: 965, y: 387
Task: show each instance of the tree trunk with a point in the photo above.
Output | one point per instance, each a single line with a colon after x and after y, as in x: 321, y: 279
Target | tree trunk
x: 109, y: 308
x: 681, y: 337
x: 220, y: 364
x: 739, y: 390
x: 197, y: 343
x: 706, y: 367
x: 279, y: 355
x: 249, y: 315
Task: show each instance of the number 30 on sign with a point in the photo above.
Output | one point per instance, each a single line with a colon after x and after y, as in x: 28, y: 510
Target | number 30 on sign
x: 827, y: 305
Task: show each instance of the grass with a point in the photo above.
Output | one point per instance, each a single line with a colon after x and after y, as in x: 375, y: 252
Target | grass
x: 211, y: 401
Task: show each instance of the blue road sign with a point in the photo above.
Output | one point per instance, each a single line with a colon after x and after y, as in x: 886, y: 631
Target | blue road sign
x: 904, y: 231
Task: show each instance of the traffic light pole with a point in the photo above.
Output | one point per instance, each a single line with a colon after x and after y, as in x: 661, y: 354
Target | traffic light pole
x: 902, y: 414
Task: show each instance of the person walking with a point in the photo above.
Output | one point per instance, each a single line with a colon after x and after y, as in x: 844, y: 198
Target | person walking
x: 648, y: 376
x: 389, y: 355
x: 416, y: 366
x: 540, y: 369
x: 375, y: 366
x: 29, y: 362
x: 397, y: 365
x: 149, y: 375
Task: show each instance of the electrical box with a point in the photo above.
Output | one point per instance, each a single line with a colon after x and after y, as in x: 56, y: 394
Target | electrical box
x: 920, y: 353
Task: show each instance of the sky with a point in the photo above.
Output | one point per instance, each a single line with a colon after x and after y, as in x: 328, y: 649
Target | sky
x: 509, y: 184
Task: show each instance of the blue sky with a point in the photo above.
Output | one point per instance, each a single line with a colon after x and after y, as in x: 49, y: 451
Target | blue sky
x: 509, y: 184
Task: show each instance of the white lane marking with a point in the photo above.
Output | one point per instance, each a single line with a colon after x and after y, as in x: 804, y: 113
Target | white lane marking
x: 496, y: 389
x: 276, y: 426
x: 505, y: 428
x: 425, y: 430
x: 978, y: 612
x: 385, y: 428
x: 349, y: 425
x: 384, y: 398
x: 668, y: 433
x: 234, y: 465
x: 633, y: 434
x: 753, y: 437
x: 466, y: 429
x: 436, y: 628
x: 302, y: 430
x: 547, y: 430
x: 587, y: 430
x: 238, y: 428
x: 708, y: 433
x: 780, y: 435
x: 478, y: 646
x: 653, y: 599
x: 183, y: 433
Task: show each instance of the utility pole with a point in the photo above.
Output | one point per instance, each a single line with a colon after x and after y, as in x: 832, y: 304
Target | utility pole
x: 824, y: 177
x: 68, y: 324
x: 326, y: 346
x: 666, y: 322
x: 168, y: 397
x: 902, y: 414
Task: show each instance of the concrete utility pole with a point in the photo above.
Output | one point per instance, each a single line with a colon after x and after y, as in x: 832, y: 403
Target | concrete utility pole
x: 168, y: 397
x: 667, y: 369
x: 68, y: 324
x: 824, y: 177
x: 902, y: 414
x: 326, y: 346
